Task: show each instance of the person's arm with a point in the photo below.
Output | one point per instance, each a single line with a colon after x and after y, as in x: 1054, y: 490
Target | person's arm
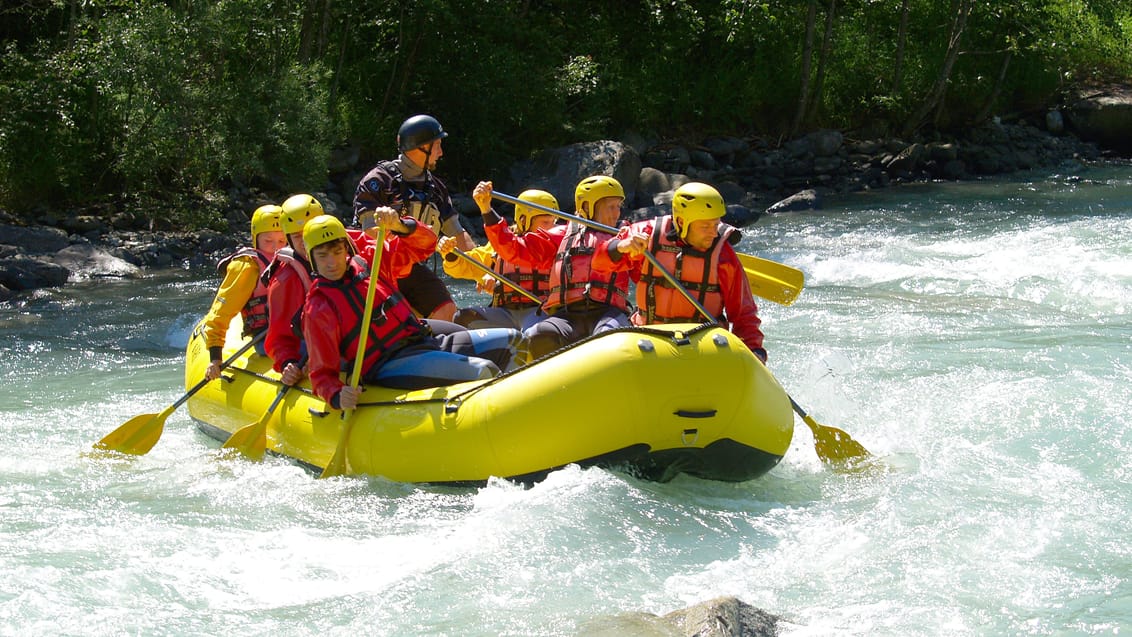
x: 284, y: 299
x: 451, y: 227
x: 739, y: 304
x: 237, y: 287
x: 407, y: 242
x: 322, y: 333
x: 624, y: 252
x: 533, y: 250
x: 459, y: 268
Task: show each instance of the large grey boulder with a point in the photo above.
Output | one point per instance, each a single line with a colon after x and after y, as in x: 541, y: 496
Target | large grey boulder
x: 808, y: 199
x: 651, y: 183
x: 35, y: 239
x: 23, y: 272
x: 86, y: 261
x: 559, y: 170
x: 1103, y: 116
x: 720, y: 617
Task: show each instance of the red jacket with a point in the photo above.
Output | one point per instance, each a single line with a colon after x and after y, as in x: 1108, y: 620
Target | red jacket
x: 739, y: 308
x: 286, y: 291
x: 326, y: 326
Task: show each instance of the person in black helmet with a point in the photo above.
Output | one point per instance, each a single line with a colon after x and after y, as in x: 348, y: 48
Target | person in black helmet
x: 407, y: 185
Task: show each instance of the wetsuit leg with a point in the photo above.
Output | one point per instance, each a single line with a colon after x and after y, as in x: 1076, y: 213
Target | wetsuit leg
x: 611, y: 319
x: 497, y: 345
x: 529, y: 317
x: 422, y: 368
x: 467, y: 315
x: 485, y: 317
x: 549, y: 334
x: 439, y: 327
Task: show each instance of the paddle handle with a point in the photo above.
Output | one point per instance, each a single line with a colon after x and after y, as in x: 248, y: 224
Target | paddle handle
x: 798, y: 409
x: 611, y: 230
x: 367, y: 315
x: 551, y: 211
x: 499, y: 277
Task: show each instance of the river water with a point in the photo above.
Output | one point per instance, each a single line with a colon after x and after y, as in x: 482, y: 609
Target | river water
x: 975, y: 337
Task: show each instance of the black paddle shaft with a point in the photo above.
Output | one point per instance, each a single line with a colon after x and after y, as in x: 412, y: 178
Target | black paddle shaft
x: 228, y: 361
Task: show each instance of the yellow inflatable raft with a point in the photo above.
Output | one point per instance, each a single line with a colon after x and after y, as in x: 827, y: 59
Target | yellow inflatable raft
x: 653, y: 401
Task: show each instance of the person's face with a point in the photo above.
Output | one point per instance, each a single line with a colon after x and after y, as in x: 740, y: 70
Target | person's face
x: 330, y: 259
x: 434, y: 150
x: 701, y: 233
x: 607, y: 210
x: 297, y: 243
x: 270, y: 242
x: 541, y: 222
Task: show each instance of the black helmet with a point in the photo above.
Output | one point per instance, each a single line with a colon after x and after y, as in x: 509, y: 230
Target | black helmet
x: 417, y: 131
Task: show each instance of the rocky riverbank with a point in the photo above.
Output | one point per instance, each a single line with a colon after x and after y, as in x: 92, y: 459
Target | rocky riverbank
x: 755, y: 176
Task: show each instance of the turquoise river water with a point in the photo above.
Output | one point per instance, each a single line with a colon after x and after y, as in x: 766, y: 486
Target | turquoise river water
x: 976, y: 337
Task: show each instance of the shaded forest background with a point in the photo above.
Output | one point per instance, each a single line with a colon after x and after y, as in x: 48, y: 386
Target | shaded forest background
x: 145, y: 102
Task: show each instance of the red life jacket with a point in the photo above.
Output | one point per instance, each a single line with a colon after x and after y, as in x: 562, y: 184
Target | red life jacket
x: 392, y: 326
x: 572, y: 279
x: 254, y: 311
x: 657, y: 300
x: 534, y: 281
x: 286, y: 257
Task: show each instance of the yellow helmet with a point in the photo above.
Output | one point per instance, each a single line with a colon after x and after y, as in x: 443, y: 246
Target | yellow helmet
x: 265, y: 219
x: 524, y: 214
x: 297, y: 210
x: 323, y: 229
x: 592, y: 189
x: 694, y: 201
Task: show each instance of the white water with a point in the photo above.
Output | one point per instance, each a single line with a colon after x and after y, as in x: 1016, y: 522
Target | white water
x: 974, y: 336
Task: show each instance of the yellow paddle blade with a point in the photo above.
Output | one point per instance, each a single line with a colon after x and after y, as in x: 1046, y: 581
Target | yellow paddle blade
x: 250, y: 440
x: 834, y: 445
x: 772, y: 280
x: 337, y: 465
x: 137, y: 435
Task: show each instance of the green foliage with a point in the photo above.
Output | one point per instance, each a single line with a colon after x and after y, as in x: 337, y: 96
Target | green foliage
x: 148, y: 100
x: 38, y: 129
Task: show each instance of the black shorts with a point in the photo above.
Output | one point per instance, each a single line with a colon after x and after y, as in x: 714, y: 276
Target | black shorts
x: 424, y: 290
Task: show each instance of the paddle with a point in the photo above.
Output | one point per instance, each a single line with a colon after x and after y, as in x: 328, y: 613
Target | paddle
x: 772, y: 280
x: 768, y: 279
x: 831, y: 444
x: 137, y: 435
x: 499, y: 277
x: 337, y: 465
x: 251, y: 440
